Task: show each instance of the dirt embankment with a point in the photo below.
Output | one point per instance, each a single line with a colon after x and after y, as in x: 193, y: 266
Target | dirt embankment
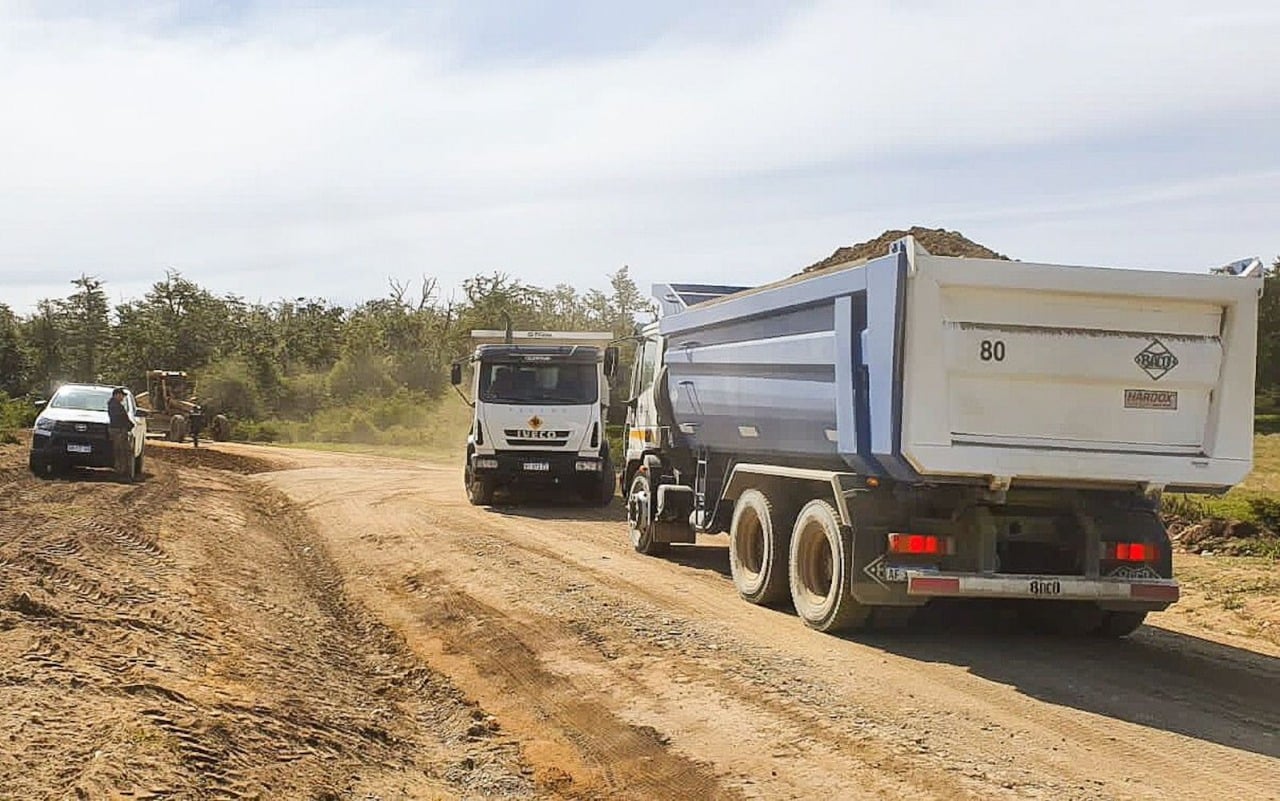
x: 188, y: 637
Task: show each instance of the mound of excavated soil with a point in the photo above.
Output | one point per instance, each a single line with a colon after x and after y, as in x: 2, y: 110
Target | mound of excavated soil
x: 938, y: 241
x: 1220, y: 536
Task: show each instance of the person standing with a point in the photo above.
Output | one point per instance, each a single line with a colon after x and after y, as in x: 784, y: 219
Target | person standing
x: 120, y: 429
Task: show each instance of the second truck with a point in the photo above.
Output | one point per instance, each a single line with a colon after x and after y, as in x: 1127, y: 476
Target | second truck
x: 888, y: 432
x: 539, y: 400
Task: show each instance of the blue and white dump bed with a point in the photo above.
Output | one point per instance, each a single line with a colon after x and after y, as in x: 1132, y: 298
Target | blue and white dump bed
x: 928, y: 369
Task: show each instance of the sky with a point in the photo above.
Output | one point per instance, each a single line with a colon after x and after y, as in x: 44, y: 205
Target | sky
x: 321, y: 149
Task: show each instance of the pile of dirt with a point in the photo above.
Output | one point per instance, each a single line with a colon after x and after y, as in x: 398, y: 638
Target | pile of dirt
x: 938, y: 241
x: 210, y: 457
x: 1218, y: 535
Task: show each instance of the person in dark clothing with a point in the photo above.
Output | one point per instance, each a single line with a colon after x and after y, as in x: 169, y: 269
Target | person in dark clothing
x: 120, y: 429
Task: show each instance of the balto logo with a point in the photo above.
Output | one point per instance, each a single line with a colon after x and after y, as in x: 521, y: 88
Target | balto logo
x: 1156, y: 360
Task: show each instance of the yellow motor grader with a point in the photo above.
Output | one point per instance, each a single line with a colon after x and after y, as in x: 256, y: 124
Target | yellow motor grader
x: 174, y: 411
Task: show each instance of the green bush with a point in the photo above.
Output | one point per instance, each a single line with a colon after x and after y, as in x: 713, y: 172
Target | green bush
x: 1266, y: 424
x: 16, y: 413
x: 302, y: 396
x: 228, y: 387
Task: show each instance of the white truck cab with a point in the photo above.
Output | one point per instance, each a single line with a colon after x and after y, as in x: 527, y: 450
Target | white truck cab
x: 540, y: 399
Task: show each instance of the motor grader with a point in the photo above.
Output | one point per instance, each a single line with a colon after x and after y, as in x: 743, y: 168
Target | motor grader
x: 173, y: 410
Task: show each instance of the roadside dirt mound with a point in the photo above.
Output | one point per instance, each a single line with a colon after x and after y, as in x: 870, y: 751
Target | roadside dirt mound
x: 188, y: 637
x: 938, y: 241
x: 209, y: 456
x: 1221, y: 536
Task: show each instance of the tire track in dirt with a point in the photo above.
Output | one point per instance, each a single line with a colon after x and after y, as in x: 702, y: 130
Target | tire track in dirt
x: 659, y: 643
x: 188, y: 637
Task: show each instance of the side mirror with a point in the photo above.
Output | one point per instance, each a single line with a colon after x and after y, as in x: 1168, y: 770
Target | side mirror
x: 610, y: 361
x: 455, y: 374
x: 40, y: 404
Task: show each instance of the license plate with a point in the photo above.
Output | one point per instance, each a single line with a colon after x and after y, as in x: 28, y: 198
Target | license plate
x: 893, y: 573
x: 74, y: 448
x: 537, y: 467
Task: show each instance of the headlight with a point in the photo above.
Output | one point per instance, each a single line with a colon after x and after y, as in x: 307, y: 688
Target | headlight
x: 585, y: 466
x: 44, y: 424
x: 485, y: 463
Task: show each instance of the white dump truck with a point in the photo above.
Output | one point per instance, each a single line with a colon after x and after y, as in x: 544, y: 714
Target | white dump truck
x: 540, y: 400
x: 887, y: 432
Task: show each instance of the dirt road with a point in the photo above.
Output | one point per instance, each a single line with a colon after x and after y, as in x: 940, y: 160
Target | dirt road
x: 374, y: 636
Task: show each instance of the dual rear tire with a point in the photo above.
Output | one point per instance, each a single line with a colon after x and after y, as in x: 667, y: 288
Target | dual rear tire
x: 806, y: 558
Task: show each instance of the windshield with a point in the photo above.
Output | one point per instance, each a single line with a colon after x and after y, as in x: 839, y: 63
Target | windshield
x: 89, y: 399
x: 538, y: 383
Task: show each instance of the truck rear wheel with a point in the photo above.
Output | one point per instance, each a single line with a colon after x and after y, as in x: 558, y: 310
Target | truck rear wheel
x: 758, y: 550
x: 821, y: 554
x: 640, y: 517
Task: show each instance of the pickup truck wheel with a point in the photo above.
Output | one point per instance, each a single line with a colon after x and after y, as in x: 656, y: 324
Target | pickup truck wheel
x: 821, y: 553
x: 640, y: 517
x: 758, y: 550
x: 1120, y: 624
x: 480, y: 491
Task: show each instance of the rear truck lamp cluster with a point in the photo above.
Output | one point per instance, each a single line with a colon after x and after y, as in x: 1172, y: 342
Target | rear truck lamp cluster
x: 1131, y: 551
x: 921, y: 545
x: 486, y: 463
x: 587, y: 466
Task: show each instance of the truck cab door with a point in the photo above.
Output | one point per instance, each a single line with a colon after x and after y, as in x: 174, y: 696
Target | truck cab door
x: 642, y: 417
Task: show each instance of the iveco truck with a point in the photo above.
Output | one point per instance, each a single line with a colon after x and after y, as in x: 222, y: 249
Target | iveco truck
x: 913, y: 427
x: 540, y: 401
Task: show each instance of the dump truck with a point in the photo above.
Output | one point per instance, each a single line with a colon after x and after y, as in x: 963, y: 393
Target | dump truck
x: 539, y: 399
x: 888, y: 432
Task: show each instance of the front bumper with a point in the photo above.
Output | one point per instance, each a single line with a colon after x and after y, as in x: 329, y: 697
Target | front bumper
x: 1147, y: 593
x: 70, y: 449
x: 531, y: 467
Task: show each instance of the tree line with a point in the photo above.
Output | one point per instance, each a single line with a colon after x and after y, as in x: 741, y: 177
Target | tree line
x: 296, y: 359
x: 291, y: 359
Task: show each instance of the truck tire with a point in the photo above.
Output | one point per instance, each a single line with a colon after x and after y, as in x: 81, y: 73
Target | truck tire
x: 640, y: 517
x: 1120, y: 624
x: 480, y: 491
x: 177, y: 428
x: 598, y: 490
x: 820, y: 558
x: 758, y: 550
x: 220, y: 429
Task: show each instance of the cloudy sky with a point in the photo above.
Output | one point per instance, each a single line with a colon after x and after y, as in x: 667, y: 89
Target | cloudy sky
x: 277, y: 149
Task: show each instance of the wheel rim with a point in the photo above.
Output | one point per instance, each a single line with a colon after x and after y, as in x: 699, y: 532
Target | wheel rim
x: 638, y: 510
x: 749, y: 539
x: 815, y: 565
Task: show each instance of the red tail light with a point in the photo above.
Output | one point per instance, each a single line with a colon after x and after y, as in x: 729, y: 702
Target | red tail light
x: 921, y: 545
x: 1132, y: 551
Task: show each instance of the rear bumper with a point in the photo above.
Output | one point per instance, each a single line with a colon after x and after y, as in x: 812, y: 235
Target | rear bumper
x: 507, y: 467
x: 1150, y: 594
